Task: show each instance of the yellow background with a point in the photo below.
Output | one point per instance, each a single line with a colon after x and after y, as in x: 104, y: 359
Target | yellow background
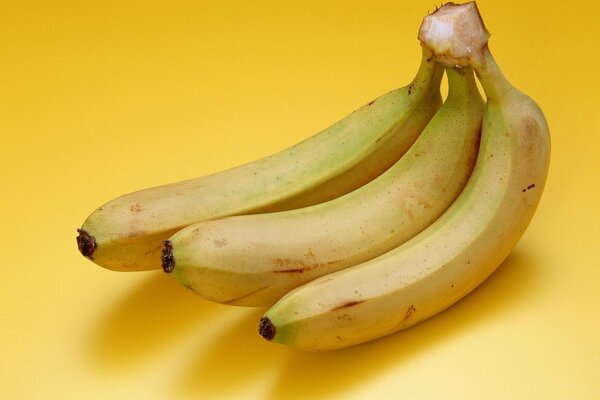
x: 100, y: 98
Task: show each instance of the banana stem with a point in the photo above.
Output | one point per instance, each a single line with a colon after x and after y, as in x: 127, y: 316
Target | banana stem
x: 429, y: 72
x: 461, y: 83
x: 457, y: 36
x: 493, y: 81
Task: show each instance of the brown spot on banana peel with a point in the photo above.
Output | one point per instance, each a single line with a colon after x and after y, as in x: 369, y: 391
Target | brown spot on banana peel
x: 86, y: 243
x: 291, y: 270
x: 385, y: 136
x: 287, y: 265
x: 167, y: 259
x: 322, y: 281
x: 409, y: 313
x: 348, y: 304
x: 136, y: 208
x: 190, y: 287
x: 344, y: 318
x: 297, y: 266
x: 244, y: 296
x: 220, y: 242
x: 529, y: 187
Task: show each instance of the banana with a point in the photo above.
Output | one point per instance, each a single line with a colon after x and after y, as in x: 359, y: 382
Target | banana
x: 463, y: 247
x: 253, y: 260
x: 126, y: 234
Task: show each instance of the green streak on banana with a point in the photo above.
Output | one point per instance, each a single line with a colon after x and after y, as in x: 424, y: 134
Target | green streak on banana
x: 253, y: 260
x: 127, y: 233
x: 450, y: 258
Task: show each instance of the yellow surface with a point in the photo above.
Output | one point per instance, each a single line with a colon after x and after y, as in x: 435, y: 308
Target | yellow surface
x: 106, y: 97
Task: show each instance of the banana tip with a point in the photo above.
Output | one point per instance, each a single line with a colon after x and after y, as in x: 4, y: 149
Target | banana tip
x: 86, y: 243
x: 167, y: 259
x: 266, y: 328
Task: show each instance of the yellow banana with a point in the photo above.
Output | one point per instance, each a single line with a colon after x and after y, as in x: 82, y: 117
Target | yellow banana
x: 461, y: 249
x: 126, y: 234
x: 253, y: 260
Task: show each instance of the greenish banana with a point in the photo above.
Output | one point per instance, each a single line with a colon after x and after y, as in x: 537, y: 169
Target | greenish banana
x: 127, y: 233
x: 253, y: 260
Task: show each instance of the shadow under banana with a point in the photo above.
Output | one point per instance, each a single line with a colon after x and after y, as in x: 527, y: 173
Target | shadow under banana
x: 146, y: 321
x: 240, y: 357
x: 233, y: 364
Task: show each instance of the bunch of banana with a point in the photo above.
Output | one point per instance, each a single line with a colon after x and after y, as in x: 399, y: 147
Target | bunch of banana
x: 127, y: 233
x: 379, y: 222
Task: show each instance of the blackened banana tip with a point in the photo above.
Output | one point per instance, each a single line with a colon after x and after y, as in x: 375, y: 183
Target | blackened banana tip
x: 86, y: 243
x: 266, y: 328
x: 167, y: 259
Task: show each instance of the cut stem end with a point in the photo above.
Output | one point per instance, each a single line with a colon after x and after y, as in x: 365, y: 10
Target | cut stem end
x: 456, y: 34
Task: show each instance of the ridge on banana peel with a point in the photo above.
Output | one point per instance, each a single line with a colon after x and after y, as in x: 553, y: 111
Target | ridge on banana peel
x: 127, y: 233
x: 253, y: 260
x: 460, y: 250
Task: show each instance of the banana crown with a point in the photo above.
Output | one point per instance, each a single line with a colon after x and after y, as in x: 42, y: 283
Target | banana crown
x: 455, y: 33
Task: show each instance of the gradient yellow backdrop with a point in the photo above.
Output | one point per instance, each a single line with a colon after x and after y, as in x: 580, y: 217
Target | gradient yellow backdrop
x: 100, y: 98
